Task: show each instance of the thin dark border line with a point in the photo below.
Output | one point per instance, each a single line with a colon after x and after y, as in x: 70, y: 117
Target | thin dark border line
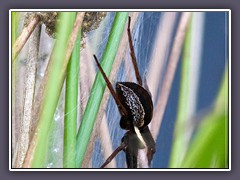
x: 121, y: 10
x: 125, y: 169
x: 117, y: 168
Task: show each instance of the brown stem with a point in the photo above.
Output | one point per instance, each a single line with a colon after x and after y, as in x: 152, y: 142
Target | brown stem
x: 29, y: 95
x: 159, y: 54
x: 168, y: 79
x: 22, y: 39
x: 70, y: 45
x: 73, y: 36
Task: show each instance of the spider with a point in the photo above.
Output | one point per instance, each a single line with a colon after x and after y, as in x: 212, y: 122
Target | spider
x: 136, y: 108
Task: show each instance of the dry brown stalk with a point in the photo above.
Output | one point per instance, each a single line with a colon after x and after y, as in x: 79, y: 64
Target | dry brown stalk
x: 171, y: 69
x: 22, y: 39
x: 70, y: 45
x: 23, y: 141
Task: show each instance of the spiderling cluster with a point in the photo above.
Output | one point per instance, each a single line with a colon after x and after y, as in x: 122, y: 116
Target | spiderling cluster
x: 91, y: 21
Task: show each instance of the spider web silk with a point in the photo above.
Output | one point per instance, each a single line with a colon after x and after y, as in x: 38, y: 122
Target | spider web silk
x: 142, y: 40
x: 143, y: 37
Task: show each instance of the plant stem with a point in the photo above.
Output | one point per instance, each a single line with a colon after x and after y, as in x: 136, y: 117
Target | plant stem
x: 170, y: 72
x: 157, y: 64
x: 14, y: 18
x: 209, y: 147
x: 101, y: 120
x: 29, y: 95
x: 22, y: 39
x: 99, y: 86
x: 71, y: 102
x: 54, y: 81
x: 179, y: 144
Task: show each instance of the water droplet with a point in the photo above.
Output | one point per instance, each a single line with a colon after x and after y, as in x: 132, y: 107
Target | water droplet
x: 50, y: 165
x: 56, y: 150
x: 56, y: 116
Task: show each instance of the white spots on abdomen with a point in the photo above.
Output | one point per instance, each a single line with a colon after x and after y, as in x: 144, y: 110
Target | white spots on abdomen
x: 134, y: 104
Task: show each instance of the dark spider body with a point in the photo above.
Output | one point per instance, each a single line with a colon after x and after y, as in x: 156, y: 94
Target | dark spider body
x: 138, y: 103
x: 136, y: 108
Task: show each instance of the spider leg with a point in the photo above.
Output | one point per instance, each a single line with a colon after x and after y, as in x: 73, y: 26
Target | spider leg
x: 132, y: 53
x: 147, y: 136
x: 121, y: 108
x: 122, y: 146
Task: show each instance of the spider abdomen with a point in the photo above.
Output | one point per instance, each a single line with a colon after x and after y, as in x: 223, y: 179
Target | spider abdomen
x: 138, y: 104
